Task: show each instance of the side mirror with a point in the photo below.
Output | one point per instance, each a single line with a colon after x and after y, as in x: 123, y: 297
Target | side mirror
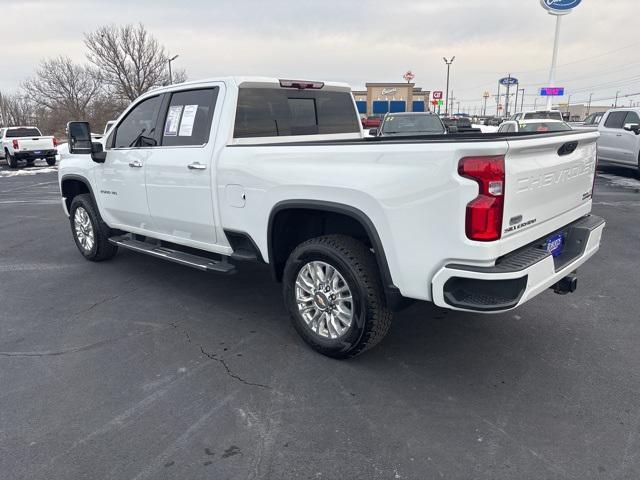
x: 632, y: 127
x: 98, y: 154
x: 79, y: 137
x: 373, y: 132
x: 453, y: 129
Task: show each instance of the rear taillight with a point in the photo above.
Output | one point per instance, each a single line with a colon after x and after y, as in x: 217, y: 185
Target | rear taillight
x: 16, y: 146
x: 484, y: 213
x: 55, y: 142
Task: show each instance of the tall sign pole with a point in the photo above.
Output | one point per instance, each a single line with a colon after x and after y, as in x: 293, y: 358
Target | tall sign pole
x: 557, y: 8
x: 446, y: 103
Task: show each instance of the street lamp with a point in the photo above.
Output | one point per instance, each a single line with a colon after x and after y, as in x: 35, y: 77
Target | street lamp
x: 170, y: 76
x: 446, y: 103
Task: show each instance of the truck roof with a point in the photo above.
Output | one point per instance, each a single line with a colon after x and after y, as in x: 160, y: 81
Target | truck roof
x: 254, y: 81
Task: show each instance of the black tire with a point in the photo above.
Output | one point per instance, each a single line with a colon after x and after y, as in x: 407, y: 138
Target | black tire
x: 101, y: 249
x: 51, y: 161
x: 357, y: 265
x: 11, y: 160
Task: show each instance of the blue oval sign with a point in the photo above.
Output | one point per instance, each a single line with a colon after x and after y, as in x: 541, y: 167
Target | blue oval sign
x: 560, y: 5
x: 508, y: 81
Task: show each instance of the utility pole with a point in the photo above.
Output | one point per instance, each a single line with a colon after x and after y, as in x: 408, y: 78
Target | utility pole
x: 522, y: 100
x: 616, y: 104
x: 568, y: 106
x: 486, y: 96
x: 498, y: 101
x: 170, y: 75
x: 446, y: 104
x: 589, y: 104
x: 506, y: 102
x: 554, y: 59
x: 515, y: 106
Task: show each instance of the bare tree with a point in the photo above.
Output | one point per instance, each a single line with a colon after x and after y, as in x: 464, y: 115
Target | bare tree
x: 64, y: 87
x: 15, y: 110
x: 131, y: 60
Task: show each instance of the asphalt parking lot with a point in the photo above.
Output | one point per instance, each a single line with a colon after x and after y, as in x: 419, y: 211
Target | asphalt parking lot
x: 140, y: 369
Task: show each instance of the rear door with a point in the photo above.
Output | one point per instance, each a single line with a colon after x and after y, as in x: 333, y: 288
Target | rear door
x: 543, y: 181
x: 179, y: 172
x: 611, y: 131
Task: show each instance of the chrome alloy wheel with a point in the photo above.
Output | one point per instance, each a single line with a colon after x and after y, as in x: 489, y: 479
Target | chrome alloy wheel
x: 324, y: 299
x: 84, y: 229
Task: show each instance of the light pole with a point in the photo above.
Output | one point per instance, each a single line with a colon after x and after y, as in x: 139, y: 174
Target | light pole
x: 170, y: 75
x: 616, y: 104
x: 589, y: 106
x: 522, y: 100
x: 446, y: 103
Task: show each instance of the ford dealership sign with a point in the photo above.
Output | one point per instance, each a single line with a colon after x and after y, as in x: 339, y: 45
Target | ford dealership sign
x: 559, y: 7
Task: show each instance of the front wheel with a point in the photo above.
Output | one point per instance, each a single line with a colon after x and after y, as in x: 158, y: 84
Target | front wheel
x: 51, y: 161
x: 90, y: 233
x: 334, y: 294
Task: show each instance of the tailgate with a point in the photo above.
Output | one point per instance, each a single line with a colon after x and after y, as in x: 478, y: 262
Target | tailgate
x: 31, y: 144
x: 547, y: 177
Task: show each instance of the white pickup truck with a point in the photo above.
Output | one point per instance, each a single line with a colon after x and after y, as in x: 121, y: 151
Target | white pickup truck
x: 27, y: 143
x: 212, y: 173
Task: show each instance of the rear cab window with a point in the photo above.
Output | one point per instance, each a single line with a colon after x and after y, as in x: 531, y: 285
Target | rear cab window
x: 23, y: 132
x: 273, y: 111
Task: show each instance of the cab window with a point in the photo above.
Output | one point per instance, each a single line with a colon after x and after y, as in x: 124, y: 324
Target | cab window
x: 187, y: 122
x: 138, y: 129
x: 615, y: 120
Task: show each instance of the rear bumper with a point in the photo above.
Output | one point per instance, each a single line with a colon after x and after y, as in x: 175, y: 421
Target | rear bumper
x: 518, y: 276
x: 33, y: 155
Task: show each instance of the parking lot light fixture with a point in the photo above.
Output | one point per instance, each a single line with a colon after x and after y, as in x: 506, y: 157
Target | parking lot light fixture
x: 446, y: 103
x: 170, y: 75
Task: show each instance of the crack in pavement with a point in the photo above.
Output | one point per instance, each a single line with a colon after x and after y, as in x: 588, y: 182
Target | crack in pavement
x: 55, y: 353
x: 213, y: 356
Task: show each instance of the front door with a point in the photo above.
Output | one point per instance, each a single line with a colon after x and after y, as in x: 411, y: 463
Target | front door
x: 121, y: 178
x: 611, y: 133
x: 179, y: 174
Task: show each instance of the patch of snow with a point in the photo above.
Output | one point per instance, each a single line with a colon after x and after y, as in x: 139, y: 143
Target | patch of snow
x: 621, y: 181
x: 20, y: 172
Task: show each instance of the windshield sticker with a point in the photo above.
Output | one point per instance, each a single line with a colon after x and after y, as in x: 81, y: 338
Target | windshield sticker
x: 173, y: 120
x: 188, y: 119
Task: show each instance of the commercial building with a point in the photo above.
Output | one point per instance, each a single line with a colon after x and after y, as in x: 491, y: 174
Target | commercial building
x: 381, y: 98
x: 576, y: 112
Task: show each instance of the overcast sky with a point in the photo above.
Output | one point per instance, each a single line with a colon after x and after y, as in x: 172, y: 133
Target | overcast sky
x: 353, y: 41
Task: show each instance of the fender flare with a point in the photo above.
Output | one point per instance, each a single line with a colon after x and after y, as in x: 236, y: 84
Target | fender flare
x: 82, y: 179
x: 392, y: 293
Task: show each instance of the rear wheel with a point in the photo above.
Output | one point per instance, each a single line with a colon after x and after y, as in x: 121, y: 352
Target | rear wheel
x: 90, y: 233
x: 334, y: 295
x: 51, y: 161
x: 11, y: 160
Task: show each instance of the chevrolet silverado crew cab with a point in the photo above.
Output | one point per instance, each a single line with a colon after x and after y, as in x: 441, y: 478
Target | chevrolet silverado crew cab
x: 27, y: 143
x: 212, y: 173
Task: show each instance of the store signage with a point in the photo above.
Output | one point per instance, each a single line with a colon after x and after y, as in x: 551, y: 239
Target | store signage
x: 552, y: 91
x: 559, y: 6
x: 508, y: 81
x: 388, y: 91
x: 437, y: 95
x: 408, y: 76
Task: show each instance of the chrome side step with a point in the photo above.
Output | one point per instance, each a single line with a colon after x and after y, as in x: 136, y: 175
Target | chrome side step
x: 201, y: 263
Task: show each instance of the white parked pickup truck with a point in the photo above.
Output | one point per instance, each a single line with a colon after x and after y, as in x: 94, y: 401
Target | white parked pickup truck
x: 27, y: 143
x: 212, y: 173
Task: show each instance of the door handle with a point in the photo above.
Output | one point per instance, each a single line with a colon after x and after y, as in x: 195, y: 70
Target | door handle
x: 135, y: 164
x: 196, y: 166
